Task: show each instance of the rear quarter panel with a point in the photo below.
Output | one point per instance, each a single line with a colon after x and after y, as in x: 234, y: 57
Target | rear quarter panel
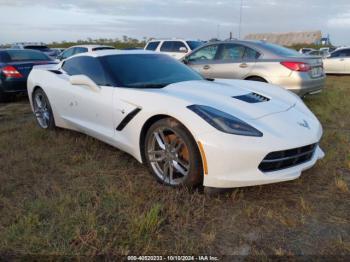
x: 269, y: 70
x: 50, y: 83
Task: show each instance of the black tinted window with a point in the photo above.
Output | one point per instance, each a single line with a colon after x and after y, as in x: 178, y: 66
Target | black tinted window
x: 88, y: 66
x: 103, y: 48
x: 147, y: 70
x: 172, y: 46
x: 79, y: 50
x: 152, y: 46
x: 4, y: 57
x: 68, y: 53
x: 232, y: 52
x: 167, y: 46
x: 250, y: 54
x: 205, y: 53
x: 335, y: 54
x: 37, y: 47
x: 25, y: 55
x: 177, y: 45
x: 341, y: 53
x: 194, y: 44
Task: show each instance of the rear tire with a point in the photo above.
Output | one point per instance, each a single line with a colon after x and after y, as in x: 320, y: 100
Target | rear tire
x: 43, y: 110
x: 5, y: 97
x: 257, y: 79
x: 172, y: 155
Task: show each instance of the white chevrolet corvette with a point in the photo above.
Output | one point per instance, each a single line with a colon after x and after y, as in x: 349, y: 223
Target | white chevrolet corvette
x: 188, y: 130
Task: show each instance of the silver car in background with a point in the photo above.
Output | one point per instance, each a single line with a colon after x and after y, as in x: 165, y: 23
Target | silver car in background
x: 259, y: 61
x: 338, y: 62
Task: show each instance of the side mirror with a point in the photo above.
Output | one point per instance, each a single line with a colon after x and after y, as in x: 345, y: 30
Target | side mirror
x: 83, y: 80
x: 183, y: 49
x: 185, y: 60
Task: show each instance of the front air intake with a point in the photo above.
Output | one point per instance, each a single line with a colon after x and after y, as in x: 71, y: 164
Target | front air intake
x: 287, y: 158
x: 252, y: 98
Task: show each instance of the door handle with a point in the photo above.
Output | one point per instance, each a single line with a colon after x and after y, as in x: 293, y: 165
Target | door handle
x: 243, y: 65
x: 206, y: 67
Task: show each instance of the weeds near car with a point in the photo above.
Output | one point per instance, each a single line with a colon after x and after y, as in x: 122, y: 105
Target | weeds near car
x: 65, y: 193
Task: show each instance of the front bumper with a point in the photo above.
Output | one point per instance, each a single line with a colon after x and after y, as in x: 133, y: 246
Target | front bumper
x: 256, y: 177
x: 233, y: 161
x: 13, y: 86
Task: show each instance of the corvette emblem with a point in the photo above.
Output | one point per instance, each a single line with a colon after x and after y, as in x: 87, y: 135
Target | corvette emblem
x: 304, y: 124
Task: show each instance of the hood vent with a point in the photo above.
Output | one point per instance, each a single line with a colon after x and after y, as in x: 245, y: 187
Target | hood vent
x: 252, y: 98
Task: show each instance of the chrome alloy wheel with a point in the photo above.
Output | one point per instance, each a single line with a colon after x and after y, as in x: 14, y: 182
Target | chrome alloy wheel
x: 41, y: 110
x: 168, y: 156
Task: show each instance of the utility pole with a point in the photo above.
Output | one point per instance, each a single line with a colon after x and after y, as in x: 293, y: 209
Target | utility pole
x: 240, y: 20
x: 218, y: 32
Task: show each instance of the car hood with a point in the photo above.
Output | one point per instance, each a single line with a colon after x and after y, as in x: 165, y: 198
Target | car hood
x: 247, y: 99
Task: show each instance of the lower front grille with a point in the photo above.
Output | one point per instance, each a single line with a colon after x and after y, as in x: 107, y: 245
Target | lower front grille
x: 287, y: 158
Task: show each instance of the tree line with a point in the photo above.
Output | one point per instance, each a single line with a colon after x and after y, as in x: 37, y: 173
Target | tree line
x: 124, y: 42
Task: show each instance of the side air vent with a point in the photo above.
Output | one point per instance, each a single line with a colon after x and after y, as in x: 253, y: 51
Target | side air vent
x: 128, y: 118
x: 252, y: 98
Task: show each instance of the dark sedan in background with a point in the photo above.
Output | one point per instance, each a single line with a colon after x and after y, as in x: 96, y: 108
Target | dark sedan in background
x: 36, y: 46
x: 15, y: 66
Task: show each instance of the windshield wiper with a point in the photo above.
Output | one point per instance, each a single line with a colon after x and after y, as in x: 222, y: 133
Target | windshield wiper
x: 161, y: 85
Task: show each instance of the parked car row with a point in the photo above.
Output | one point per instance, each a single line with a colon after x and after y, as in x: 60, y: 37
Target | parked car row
x: 177, y: 48
x: 36, y: 46
x: 15, y: 66
x: 17, y: 62
x: 322, y: 50
x: 256, y: 61
x: 335, y: 60
x: 231, y: 59
x: 78, y: 49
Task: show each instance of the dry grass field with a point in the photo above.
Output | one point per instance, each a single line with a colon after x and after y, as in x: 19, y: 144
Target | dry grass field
x: 63, y: 193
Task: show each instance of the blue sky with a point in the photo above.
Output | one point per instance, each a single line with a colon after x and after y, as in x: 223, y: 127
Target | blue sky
x: 57, y: 20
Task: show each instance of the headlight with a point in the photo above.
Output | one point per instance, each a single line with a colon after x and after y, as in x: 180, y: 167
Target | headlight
x: 224, y: 122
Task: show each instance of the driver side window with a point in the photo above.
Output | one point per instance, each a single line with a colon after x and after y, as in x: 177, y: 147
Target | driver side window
x: 340, y: 53
x: 79, y: 50
x: 204, y: 54
x: 232, y: 52
x: 85, y: 65
x: 68, y: 53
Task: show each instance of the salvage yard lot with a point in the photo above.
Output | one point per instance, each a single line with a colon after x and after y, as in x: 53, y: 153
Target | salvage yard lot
x: 64, y: 193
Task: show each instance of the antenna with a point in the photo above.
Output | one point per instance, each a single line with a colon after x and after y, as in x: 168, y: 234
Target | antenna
x: 218, y: 32
x: 240, y: 20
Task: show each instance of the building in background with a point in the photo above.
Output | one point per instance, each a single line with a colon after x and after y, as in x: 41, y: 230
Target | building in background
x: 292, y: 38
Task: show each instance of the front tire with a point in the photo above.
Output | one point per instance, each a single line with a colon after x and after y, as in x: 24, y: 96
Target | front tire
x: 43, y: 110
x: 172, y: 154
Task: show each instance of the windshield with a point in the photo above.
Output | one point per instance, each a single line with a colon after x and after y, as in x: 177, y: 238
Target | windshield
x: 25, y: 55
x: 194, y: 44
x: 146, y: 70
x: 280, y: 50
